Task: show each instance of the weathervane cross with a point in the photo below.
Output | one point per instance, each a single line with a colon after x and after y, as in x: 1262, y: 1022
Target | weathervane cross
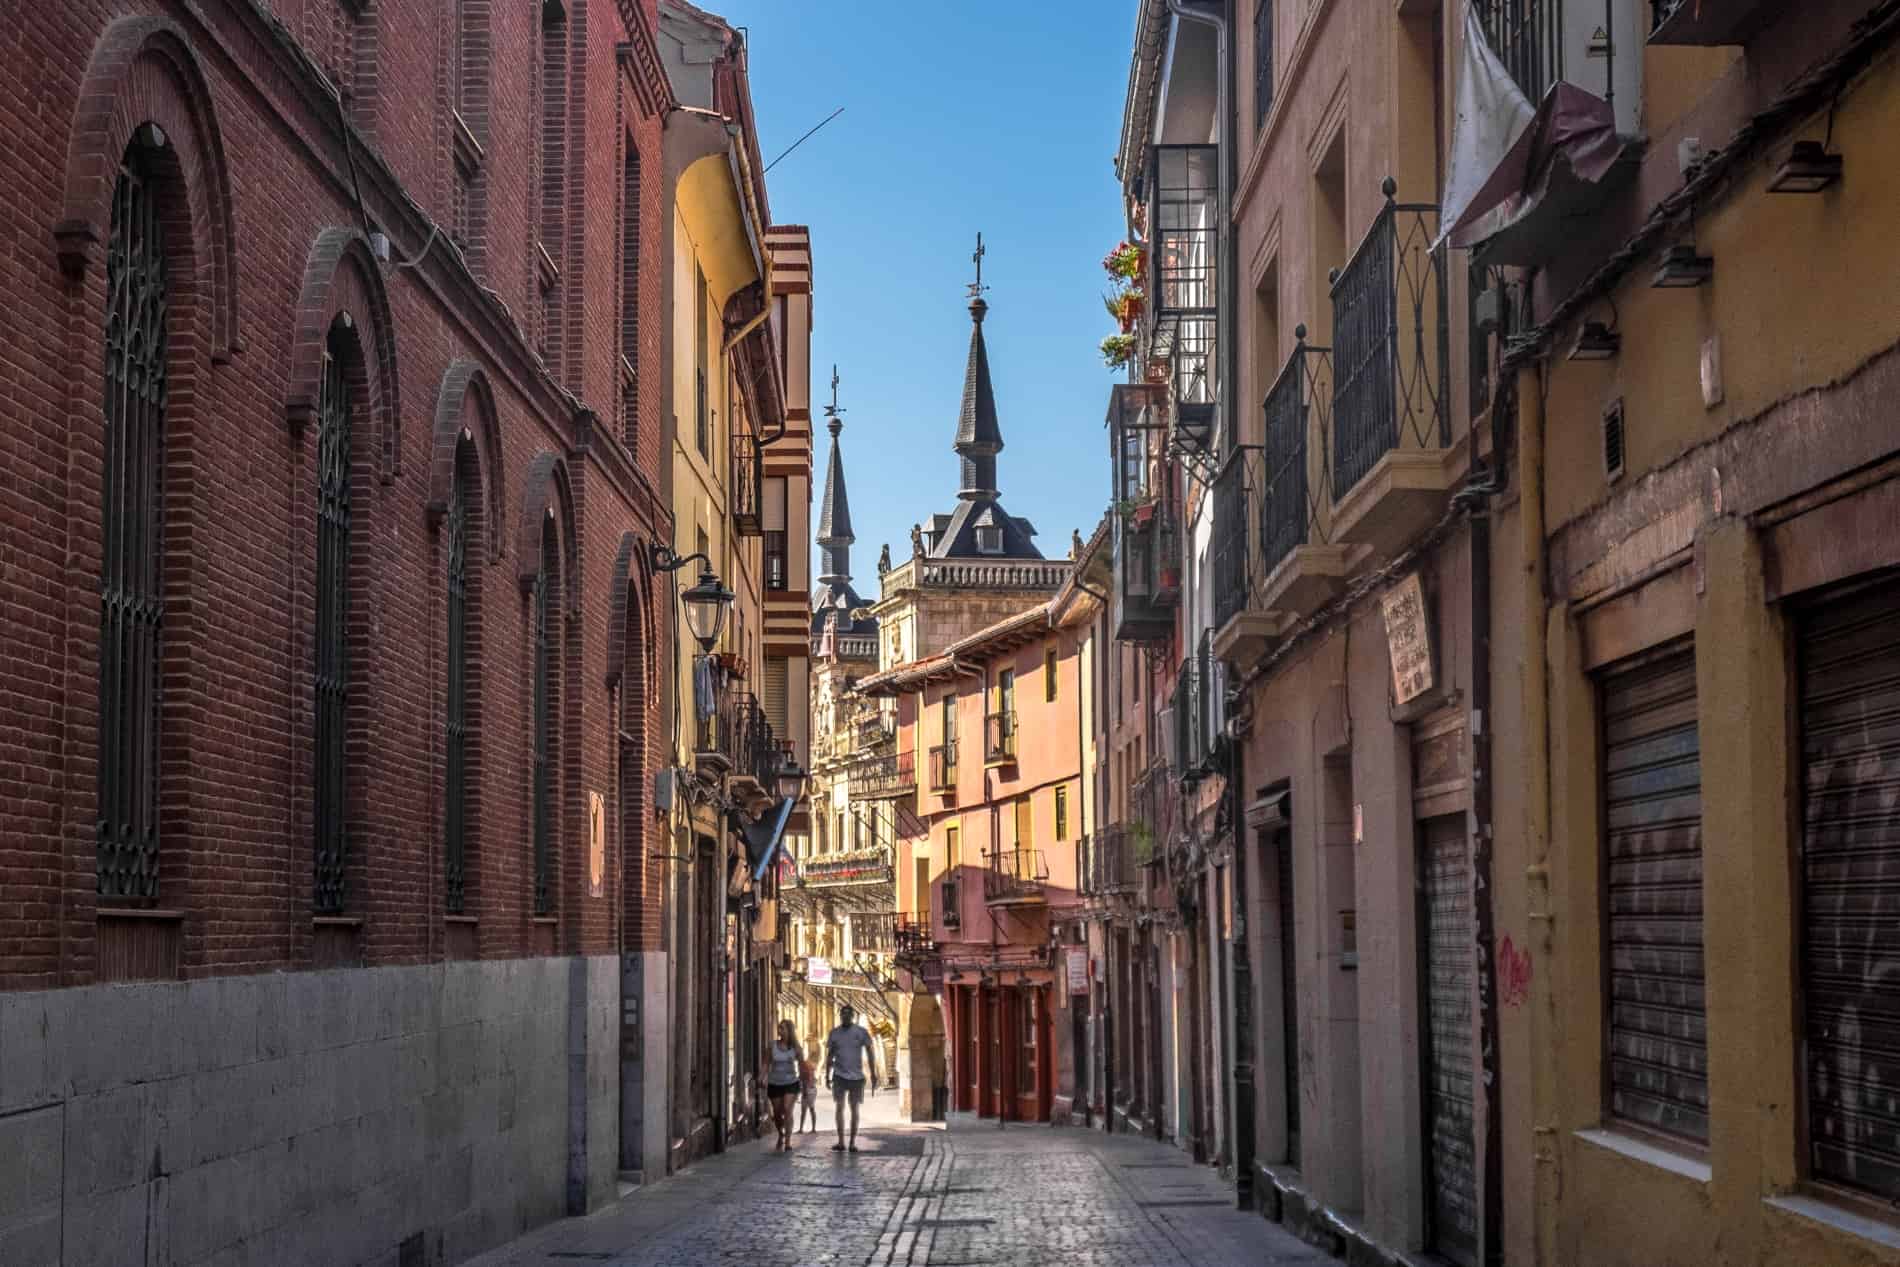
x: 977, y: 287
x: 833, y: 409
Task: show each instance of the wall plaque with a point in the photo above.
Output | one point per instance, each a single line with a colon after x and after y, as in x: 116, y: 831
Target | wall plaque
x: 596, y: 842
x: 1408, y: 636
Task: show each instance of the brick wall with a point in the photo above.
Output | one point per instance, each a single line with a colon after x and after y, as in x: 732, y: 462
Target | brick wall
x: 265, y: 246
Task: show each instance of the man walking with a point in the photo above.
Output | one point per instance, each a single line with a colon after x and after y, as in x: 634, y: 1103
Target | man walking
x: 846, y: 1050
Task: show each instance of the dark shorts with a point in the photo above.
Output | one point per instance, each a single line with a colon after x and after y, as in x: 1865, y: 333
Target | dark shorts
x: 853, y: 1088
x: 774, y: 1090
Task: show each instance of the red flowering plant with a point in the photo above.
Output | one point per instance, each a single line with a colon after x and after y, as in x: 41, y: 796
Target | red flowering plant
x: 1124, y: 261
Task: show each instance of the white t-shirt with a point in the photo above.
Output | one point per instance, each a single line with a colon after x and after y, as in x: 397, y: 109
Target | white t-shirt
x: 847, y: 1045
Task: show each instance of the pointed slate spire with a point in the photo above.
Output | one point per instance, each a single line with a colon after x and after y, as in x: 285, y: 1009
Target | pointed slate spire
x: 979, y: 439
x: 834, y: 516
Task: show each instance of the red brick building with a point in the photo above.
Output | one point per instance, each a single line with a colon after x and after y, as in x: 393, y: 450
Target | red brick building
x: 331, y: 422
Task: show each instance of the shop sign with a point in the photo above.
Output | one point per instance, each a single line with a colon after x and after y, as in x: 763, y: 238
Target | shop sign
x: 1078, y: 960
x: 818, y: 971
x: 1408, y: 636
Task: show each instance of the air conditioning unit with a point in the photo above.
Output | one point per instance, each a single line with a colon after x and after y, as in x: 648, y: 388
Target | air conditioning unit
x: 1164, y: 724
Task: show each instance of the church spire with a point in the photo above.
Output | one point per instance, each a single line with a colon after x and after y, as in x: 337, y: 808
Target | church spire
x: 979, y: 439
x: 834, y: 516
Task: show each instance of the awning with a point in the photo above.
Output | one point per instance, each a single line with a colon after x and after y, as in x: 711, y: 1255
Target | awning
x: 1553, y: 176
x: 1518, y: 199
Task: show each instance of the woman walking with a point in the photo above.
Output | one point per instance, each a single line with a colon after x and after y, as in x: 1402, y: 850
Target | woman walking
x: 782, y: 1082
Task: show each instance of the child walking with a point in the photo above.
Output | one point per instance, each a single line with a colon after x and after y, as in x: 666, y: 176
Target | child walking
x: 808, y: 1096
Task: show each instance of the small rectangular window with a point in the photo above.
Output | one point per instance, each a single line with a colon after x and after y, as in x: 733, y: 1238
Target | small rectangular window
x: 1024, y: 834
x: 1049, y: 675
x: 1062, y: 813
x: 952, y: 854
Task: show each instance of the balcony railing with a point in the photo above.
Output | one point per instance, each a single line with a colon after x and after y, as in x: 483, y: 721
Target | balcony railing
x: 1289, y: 512
x: 1528, y: 38
x: 1389, y: 343
x: 874, y: 931
x: 1182, y: 203
x: 1015, y: 875
x: 1233, y: 534
x: 719, y: 738
x: 999, y: 737
x: 873, y: 733
x: 745, y: 490
x: 1110, y: 860
x: 911, y: 934
x: 943, y: 767
x: 1155, y: 801
x: 882, y: 777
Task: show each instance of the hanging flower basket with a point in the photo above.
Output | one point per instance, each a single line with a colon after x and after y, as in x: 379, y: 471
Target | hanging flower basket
x: 1124, y: 261
x: 1118, y: 350
x: 732, y: 664
x: 1125, y: 306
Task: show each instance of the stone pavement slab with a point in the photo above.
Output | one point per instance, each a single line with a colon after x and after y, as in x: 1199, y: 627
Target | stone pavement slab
x: 971, y: 1195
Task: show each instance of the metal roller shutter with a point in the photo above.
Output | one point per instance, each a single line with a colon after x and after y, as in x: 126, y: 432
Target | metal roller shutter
x: 1850, y: 869
x: 1652, y: 805
x: 1451, y: 1146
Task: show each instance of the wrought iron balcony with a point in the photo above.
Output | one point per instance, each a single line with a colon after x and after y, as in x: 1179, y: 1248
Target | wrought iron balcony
x: 760, y: 753
x: 1234, y: 569
x: 719, y: 738
x: 1111, y: 859
x: 1155, y: 800
x: 874, y: 734
x: 1389, y: 343
x: 1528, y: 38
x: 884, y: 777
x: 911, y: 934
x: 943, y: 767
x: 1288, y: 511
x: 745, y: 486
x: 1182, y: 204
x: 999, y: 737
x: 1015, y: 876
x: 1196, y: 711
x: 874, y: 931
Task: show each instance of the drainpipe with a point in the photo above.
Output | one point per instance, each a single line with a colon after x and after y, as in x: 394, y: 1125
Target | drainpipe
x: 1545, y: 1031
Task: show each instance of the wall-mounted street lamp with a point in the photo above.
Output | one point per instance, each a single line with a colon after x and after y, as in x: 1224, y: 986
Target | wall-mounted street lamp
x: 706, y: 603
x: 1808, y: 169
x: 791, y: 777
x: 1682, y: 267
x: 1595, y: 342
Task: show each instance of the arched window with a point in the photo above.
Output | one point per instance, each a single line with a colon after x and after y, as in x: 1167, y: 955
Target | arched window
x: 630, y: 294
x: 132, y: 519
x: 455, y: 791
x: 546, y: 598
x: 332, y: 675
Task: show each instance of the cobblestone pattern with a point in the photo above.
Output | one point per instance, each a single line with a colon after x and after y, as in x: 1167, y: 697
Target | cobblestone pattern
x: 971, y: 1196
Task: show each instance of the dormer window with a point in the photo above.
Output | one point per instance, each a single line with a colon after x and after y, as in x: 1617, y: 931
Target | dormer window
x: 989, y: 539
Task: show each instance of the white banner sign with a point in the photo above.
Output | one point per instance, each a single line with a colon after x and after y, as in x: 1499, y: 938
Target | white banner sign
x: 818, y: 971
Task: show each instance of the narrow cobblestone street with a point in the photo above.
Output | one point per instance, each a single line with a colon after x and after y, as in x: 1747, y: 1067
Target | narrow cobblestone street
x: 970, y: 1195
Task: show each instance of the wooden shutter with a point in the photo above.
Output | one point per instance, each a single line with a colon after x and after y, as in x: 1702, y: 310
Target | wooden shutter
x: 1657, y: 1022
x: 1451, y: 1145
x: 777, y: 675
x: 1850, y: 900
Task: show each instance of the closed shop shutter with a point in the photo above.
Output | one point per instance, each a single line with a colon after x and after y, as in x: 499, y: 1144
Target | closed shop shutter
x: 1652, y: 807
x: 1449, y: 949
x: 1850, y: 870
x: 777, y: 674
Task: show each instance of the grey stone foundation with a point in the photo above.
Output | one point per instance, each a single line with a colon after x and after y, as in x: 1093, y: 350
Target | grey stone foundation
x: 369, y: 1115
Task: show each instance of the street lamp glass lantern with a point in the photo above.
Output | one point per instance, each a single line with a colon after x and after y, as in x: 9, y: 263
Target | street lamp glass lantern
x: 791, y: 777
x: 706, y: 605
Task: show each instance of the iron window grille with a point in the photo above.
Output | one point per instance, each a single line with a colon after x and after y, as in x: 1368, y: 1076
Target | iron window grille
x: 332, y: 669
x: 455, y: 791
x: 1389, y: 342
x: 1528, y: 38
x: 546, y: 583
x: 131, y: 583
x: 1262, y: 62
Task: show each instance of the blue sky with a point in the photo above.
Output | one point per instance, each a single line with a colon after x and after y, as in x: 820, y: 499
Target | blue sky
x: 997, y: 115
